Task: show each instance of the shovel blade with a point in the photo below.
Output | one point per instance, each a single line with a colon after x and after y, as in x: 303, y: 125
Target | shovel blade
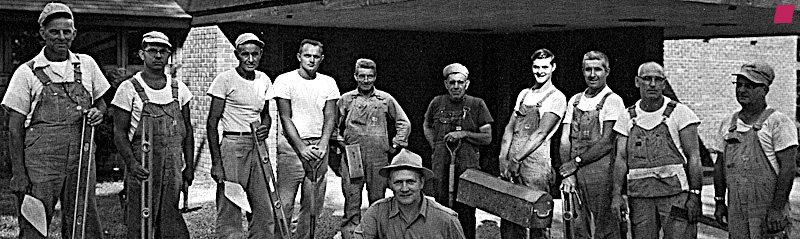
x: 33, y: 211
x: 235, y: 193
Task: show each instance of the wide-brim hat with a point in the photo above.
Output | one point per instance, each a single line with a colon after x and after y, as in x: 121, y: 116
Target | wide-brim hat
x: 406, y: 160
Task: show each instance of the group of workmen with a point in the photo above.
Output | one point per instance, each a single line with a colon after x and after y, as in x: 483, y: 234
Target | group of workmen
x: 648, y: 152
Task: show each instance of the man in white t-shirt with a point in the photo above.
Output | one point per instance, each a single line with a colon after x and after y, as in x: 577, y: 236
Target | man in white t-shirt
x: 46, y: 101
x: 756, y: 162
x: 306, y: 103
x: 525, y: 149
x: 153, y: 103
x: 587, y: 143
x: 238, y: 98
x: 658, y: 150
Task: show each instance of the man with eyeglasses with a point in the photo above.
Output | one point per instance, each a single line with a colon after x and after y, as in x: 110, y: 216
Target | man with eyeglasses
x: 152, y: 97
x: 364, y: 114
x: 238, y: 98
x: 525, y: 149
x: 456, y: 123
x: 587, y: 143
x: 658, y: 151
x: 756, y: 162
x: 47, y: 99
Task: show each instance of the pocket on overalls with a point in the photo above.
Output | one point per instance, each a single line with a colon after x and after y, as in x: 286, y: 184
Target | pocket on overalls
x: 31, y: 139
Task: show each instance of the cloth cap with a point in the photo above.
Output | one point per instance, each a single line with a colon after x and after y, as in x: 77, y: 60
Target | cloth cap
x: 248, y: 37
x: 757, y: 72
x: 156, y: 37
x: 455, y: 68
x: 406, y: 160
x: 53, y: 8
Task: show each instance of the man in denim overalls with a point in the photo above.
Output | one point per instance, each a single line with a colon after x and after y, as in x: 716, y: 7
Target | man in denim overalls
x: 153, y: 98
x: 525, y: 149
x: 587, y: 143
x: 463, y: 122
x: 364, y: 113
x: 757, y: 160
x: 47, y: 99
x: 658, y: 150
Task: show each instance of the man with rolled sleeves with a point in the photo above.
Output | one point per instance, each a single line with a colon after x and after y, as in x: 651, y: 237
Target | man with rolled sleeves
x: 47, y: 99
x: 756, y: 163
x: 409, y: 213
x: 658, y: 150
x: 238, y: 98
x: 152, y: 97
x: 364, y: 114
x: 525, y: 149
x: 587, y: 143
x: 463, y: 122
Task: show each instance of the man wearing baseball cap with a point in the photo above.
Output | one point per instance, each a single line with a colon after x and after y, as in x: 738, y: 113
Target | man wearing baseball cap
x: 47, y: 100
x: 756, y: 162
x: 408, y: 214
x: 238, y: 98
x: 456, y: 123
x: 152, y: 98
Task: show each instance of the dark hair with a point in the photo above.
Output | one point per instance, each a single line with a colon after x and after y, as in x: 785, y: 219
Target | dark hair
x: 54, y: 16
x: 543, y: 54
x: 310, y: 42
x: 596, y: 55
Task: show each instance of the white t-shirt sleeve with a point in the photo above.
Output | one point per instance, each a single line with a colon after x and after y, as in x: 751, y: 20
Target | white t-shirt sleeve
x: 623, y: 124
x: 219, y: 87
x: 124, y: 96
x: 556, y: 103
x: 570, y: 110
x: 280, y: 89
x: 684, y: 116
x: 519, y: 98
x: 19, y: 94
x: 612, y: 108
x: 717, y: 144
x: 184, y: 94
x: 99, y: 82
x: 332, y: 91
x: 784, y: 132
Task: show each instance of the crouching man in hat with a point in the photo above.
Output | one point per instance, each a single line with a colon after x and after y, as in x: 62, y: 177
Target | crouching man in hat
x: 408, y: 214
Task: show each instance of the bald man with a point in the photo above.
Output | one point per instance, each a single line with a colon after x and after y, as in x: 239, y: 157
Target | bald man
x: 658, y: 150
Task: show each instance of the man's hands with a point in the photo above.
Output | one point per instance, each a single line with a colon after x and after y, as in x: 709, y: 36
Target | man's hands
x: 138, y: 172
x: 618, y: 206
x: 313, y: 152
x: 262, y: 132
x: 721, y: 212
x: 217, y: 173
x: 568, y: 169
x: 188, y: 176
x: 95, y: 116
x: 20, y: 183
x: 455, y: 135
x: 693, y: 208
x: 776, y: 220
x: 568, y: 184
x: 509, y: 169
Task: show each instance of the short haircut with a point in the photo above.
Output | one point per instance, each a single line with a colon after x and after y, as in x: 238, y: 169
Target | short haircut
x: 544, y: 54
x: 54, y: 16
x: 364, y: 63
x: 596, y: 55
x: 310, y: 42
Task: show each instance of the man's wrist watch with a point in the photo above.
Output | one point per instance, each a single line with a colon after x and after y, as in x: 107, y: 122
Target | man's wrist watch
x: 694, y: 191
x: 578, y: 160
x: 718, y: 199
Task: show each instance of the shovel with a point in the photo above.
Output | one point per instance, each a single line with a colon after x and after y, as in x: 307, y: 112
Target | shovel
x: 314, y: 167
x: 33, y: 211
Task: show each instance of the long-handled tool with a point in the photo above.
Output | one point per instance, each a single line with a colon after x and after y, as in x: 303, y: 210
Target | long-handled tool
x: 269, y: 177
x: 623, y: 224
x: 453, y: 150
x: 146, y: 230
x: 185, y: 187
x: 314, y: 168
x: 82, y: 185
x: 569, y: 203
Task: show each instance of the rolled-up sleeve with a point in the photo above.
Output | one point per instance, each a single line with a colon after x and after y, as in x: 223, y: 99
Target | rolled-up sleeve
x: 402, y: 123
x: 19, y: 94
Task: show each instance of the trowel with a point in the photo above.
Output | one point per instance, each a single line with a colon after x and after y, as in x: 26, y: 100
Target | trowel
x: 33, y: 211
x: 235, y: 193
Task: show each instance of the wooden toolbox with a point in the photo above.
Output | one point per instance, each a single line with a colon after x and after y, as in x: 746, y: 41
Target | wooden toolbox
x: 519, y: 204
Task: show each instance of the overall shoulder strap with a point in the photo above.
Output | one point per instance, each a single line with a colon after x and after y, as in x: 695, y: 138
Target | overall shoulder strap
x: 732, y: 126
x: 603, y: 101
x: 139, y: 90
x: 77, y: 70
x: 632, y: 111
x: 762, y: 118
x: 577, y: 100
x: 539, y: 104
x: 174, y: 89
x: 670, y: 107
x: 39, y: 73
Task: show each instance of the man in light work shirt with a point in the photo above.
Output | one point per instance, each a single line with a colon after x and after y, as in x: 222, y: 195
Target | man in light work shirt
x: 306, y: 103
x: 408, y: 214
x: 587, y: 143
x: 46, y: 100
x: 756, y: 165
x: 364, y: 116
x: 238, y: 98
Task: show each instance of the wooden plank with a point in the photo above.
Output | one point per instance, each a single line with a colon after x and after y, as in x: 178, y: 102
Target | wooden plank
x: 521, y: 205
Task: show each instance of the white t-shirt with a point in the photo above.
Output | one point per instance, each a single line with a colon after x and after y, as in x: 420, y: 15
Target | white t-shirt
x: 244, y: 99
x: 555, y: 103
x: 777, y: 133
x: 308, y: 99
x: 24, y: 88
x: 127, y: 99
x: 611, y: 108
x: 681, y: 117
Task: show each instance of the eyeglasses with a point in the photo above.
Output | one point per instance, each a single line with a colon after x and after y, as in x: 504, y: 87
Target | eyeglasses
x: 652, y: 79
x: 456, y: 82
x: 364, y: 77
x: 163, y: 52
x: 748, y: 85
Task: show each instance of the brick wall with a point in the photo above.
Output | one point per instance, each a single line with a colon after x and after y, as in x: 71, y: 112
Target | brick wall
x: 700, y: 72
x: 205, y: 54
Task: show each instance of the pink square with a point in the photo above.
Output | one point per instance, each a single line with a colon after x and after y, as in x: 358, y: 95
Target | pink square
x: 784, y: 13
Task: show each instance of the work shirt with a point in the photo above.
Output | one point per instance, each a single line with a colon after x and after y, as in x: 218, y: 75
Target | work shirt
x: 383, y: 220
x: 24, y: 88
x: 367, y: 115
